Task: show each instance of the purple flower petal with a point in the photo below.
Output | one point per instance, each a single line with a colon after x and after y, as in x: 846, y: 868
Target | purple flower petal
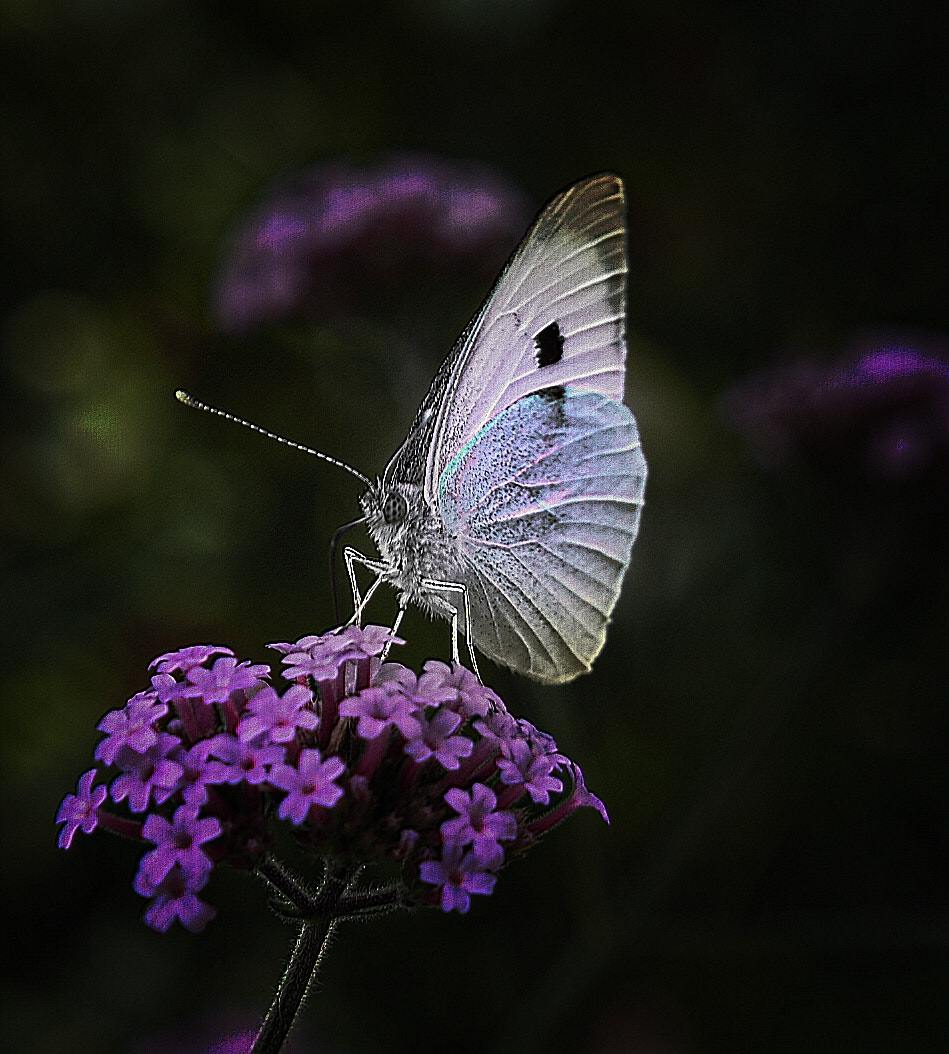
x: 456, y: 688
x: 247, y: 761
x: 152, y: 776
x: 435, y: 740
x: 131, y: 727
x: 323, y: 657
x: 178, y: 843
x: 175, y: 897
x: 458, y: 874
x: 380, y: 707
x: 478, y: 823
x: 226, y: 676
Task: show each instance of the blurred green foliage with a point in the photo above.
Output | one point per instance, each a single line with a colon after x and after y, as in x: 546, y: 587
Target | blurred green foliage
x: 767, y: 724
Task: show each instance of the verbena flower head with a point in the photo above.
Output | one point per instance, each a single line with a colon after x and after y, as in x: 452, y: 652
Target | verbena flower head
x: 363, y: 760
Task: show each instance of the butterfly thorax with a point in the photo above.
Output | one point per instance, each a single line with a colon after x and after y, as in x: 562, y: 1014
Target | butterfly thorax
x: 412, y: 542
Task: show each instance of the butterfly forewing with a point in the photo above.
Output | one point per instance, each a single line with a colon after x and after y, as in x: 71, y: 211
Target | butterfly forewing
x: 569, y: 273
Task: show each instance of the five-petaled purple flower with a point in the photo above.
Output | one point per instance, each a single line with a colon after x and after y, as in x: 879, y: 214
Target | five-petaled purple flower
x: 458, y: 874
x: 435, y: 740
x: 308, y: 783
x: 523, y: 763
x: 381, y: 706
x: 224, y: 677
x: 478, y: 823
x: 178, y: 842
x: 278, y: 718
x: 131, y: 727
x: 80, y: 810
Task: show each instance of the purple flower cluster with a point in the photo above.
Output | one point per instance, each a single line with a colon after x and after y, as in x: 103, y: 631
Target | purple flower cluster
x: 880, y: 411
x: 366, y: 760
x: 296, y: 254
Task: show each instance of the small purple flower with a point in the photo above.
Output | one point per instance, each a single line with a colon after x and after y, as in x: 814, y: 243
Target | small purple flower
x: 79, y: 810
x: 435, y: 740
x: 224, y: 677
x: 477, y: 822
x: 308, y: 783
x: 175, y: 897
x: 457, y: 688
x: 130, y: 728
x: 278, y: 717
x: 522, y: 763
x: 245, y: 761
x: 183, y: 659
x: 149, y: 776
x: 323, y: 657
x: 380, y: 707
x: 198, y: 770
x: 178, y: 842
x: 459, y: 874
x: 324, y: 236
x: 498, y: 724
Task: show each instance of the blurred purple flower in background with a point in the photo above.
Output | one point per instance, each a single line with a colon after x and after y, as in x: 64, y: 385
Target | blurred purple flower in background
x: 323, y: 241
x: 880, y: 411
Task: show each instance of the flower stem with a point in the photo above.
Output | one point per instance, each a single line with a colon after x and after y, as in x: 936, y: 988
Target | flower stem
x: 304, y: 960
x: 319, y: 915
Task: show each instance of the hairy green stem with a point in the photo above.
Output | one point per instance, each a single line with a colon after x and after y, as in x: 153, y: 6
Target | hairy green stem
x: 304, y: 960
x: 319, y: 913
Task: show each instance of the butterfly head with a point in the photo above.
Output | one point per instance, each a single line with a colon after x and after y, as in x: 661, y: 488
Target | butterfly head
x: 386, y: 509
x: 384, y: 506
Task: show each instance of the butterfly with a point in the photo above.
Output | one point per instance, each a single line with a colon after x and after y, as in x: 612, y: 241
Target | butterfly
x: 513, y: 504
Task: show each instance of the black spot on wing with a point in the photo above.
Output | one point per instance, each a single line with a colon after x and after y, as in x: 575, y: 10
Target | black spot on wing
x: 549, y: 345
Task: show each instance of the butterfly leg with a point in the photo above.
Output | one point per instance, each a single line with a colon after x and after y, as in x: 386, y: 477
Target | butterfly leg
x: 457, y: 587
x: 403, y: 604
x: 352, y: 557
x: 378, y: 568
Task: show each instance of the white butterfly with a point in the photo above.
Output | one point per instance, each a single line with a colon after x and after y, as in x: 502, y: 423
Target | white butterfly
x: 513, y: 504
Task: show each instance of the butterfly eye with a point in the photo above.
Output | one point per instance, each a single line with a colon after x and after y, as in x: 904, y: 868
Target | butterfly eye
x: 394, y: 507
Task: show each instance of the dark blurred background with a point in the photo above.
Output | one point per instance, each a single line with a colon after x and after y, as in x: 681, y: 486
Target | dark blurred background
x: 767, y: 723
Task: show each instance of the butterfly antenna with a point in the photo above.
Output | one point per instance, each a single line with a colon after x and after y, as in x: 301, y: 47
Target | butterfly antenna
x: 188, y: 400
x: 334, y: 549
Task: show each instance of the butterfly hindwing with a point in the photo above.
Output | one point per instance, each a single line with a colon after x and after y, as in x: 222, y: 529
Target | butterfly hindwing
x: 544, y: 503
